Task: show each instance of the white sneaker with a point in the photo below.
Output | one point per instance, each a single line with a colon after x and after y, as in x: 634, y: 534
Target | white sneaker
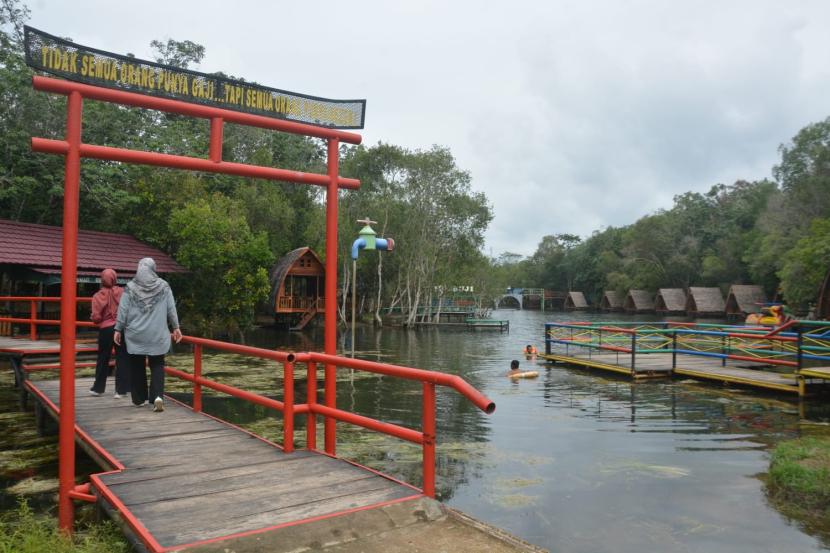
x: 94, y: 393
x: 116, y: 395
x: 158, y: 405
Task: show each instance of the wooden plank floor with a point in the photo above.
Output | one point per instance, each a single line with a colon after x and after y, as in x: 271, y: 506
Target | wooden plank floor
x: 737, y: 372
x: 13, y: 346
x: 189, y: 477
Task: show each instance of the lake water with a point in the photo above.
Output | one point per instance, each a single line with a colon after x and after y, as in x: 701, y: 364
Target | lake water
x: 573, y: 461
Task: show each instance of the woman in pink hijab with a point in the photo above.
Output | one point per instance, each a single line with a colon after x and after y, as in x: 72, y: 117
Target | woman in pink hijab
x: 104, y: 310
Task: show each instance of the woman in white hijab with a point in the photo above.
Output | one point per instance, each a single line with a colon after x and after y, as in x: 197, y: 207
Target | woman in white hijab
x: 146, y: 309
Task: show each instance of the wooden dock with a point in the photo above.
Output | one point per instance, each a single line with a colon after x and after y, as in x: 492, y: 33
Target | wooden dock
x: 501, y: 324
x: 187, y: 477
x: 657, y: 365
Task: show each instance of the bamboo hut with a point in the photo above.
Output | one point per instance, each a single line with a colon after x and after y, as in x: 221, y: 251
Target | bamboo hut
x: 638, y: 301
x: 670, y: 301
x: 576, y: 302
x: 705, y: 302
x: 744, y: 299
x: 610, y: 301
x: 823, y: 309
x: 297, y: 287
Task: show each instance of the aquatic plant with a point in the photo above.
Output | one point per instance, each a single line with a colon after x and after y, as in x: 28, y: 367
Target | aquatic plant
x: 22, y: 531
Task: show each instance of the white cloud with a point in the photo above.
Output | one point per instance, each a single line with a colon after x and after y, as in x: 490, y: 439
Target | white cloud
x: 571, y: 116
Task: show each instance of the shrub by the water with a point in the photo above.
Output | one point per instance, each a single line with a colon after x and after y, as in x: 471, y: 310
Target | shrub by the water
x: 22, y: 531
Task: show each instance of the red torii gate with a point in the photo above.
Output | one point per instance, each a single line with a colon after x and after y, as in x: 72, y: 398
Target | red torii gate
x: 74, y: 149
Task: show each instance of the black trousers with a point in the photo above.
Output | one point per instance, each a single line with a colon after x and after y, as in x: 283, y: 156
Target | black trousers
x: 138, y: 377
x: 102, y: 365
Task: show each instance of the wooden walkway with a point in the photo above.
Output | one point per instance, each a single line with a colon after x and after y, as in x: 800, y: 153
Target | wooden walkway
x: 660, y: 365
x: 186, y: 477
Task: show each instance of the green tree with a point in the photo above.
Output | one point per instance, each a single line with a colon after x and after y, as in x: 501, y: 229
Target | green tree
x: 806, y: 264
x: 227, y: 264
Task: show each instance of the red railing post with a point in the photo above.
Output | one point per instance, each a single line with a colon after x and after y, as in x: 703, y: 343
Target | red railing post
x: 288, y: 409
x: 330, y: 337
x: 32, y: 316
x: 311, y: 400
x: 428, y: 430
x: 69, y: 277
x: 216, y: 133
x: 197, y: 374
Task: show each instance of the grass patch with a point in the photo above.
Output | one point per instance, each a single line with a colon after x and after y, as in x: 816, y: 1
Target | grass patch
x: 800, y: 473
x: 22, y: 531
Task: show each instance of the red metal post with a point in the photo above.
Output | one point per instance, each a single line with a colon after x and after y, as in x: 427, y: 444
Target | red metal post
x: 288, y: 407
x: 33, y: 316
x: 197, y: 373
x: 216, y: 133
x: 428, y: 429
x: 330, y: 337
x: 311, y: 399
x: 69, y: 277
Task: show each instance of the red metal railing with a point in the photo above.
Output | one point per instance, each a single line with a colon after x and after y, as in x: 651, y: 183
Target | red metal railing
x: 312, y: 408
x: 33, y: 321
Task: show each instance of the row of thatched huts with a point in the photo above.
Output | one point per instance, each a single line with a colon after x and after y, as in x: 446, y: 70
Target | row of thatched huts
x: 697, y: 301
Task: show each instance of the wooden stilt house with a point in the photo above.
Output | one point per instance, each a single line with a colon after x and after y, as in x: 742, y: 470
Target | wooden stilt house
x: 704, y: 302
x: 297, y: 288
x: 638, y: 301
x: 611, y: 301
x: 576, y: 302
x: 744, y: 299
x: 670, y: 301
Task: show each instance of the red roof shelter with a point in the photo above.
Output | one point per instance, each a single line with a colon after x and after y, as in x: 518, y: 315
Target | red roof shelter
x: 35, y: 251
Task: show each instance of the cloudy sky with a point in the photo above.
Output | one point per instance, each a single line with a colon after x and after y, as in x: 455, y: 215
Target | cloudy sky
x: 570, y: 116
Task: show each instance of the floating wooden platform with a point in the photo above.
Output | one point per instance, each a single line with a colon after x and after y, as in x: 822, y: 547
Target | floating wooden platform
x: 187, y: 477
x: 488, y: 323
x: 660, y: 365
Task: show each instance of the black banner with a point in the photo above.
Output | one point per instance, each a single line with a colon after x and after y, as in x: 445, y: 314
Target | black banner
x: 91, y: 66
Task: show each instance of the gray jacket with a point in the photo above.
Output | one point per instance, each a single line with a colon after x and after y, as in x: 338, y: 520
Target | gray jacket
x: 146, y: 333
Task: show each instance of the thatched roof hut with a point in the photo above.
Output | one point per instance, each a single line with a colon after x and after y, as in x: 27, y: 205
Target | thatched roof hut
x: 638, y: 301
x: 576, y: 302
x: 744, y: 299
x: 823, y: 308
x: 705, y: 302
x: 670, y: 301
x: 611, y: 301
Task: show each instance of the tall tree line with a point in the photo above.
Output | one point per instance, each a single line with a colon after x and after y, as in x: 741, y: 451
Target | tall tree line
x: 774, y: 232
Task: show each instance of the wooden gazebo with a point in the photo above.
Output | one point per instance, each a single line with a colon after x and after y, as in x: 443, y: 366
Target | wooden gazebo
x: 744, y: 299
x: 610, y: 301
x: 704, y: 302
x: 638, y: 301
x: 297, y: 287
x: 670, y: 301
x: 576, y: 302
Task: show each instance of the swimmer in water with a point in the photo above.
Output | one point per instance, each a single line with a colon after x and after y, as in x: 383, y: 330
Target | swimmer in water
x: 530, y: 350
x: 514, y: 368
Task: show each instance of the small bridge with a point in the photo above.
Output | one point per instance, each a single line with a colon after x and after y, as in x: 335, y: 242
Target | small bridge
x: 531, y: 298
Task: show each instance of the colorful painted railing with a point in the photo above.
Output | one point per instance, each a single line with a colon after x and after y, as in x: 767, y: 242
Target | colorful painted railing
x: 796, y: 345
x: 33, y: 321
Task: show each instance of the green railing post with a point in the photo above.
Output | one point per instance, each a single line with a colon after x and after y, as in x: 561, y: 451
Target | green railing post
x: 799, y: 343
x: 674, y: 350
